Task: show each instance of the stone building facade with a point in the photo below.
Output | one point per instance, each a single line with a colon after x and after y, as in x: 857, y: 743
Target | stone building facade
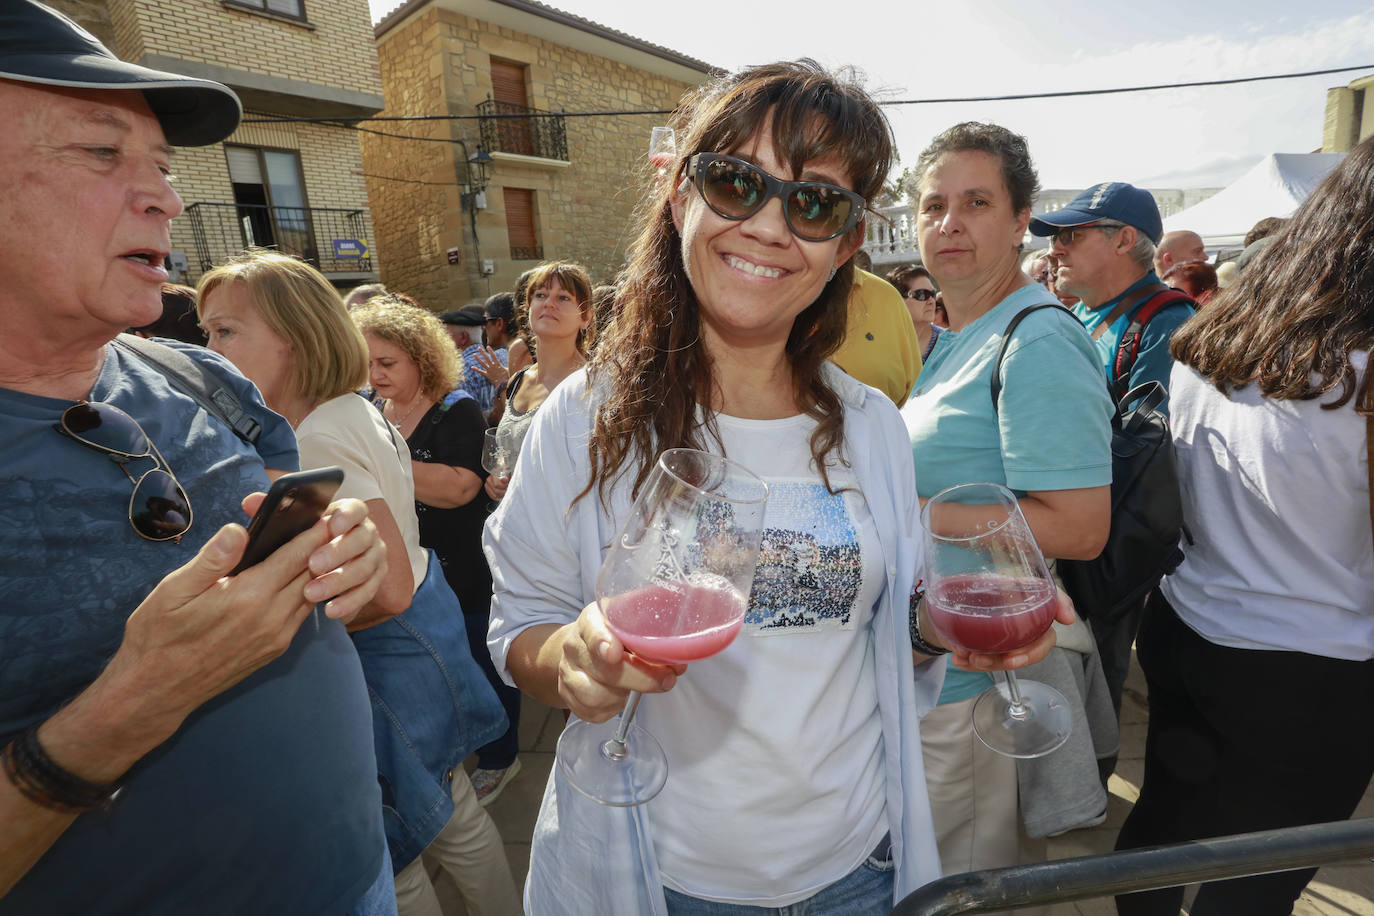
x: 1349, y: 115
x: 555, y: 185
x: 295, y: 186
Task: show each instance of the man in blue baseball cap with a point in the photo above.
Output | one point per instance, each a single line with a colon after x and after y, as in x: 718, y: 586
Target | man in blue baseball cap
x: 174, y: 738
x: 1103, y: 246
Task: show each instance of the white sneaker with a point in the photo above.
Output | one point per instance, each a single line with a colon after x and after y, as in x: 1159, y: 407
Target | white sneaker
x: 487, y: 784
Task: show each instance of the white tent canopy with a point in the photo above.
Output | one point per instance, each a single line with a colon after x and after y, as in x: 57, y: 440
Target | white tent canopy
x: 1274, y: 187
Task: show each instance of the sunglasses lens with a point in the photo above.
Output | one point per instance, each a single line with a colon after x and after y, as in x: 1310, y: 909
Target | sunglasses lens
x: 159, y: 509
x: 733, y: 189
x: 816, y: 212
x: 105, y: 427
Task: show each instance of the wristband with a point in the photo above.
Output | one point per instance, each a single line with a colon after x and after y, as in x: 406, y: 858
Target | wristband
x: 914, y: 615
x: 29, y: 768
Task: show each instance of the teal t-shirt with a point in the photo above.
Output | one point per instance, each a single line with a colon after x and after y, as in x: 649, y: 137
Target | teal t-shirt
x: 1152, y: 362
x: 1051, y: 430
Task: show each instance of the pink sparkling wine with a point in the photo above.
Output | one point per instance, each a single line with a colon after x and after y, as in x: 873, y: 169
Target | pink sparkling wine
x: 978, y: 612
x: 661, y: 161
x: 676, y: 623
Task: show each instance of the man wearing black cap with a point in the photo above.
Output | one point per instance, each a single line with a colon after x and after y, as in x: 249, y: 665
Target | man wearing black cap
x: 1103, y: 245
x: 173, y: 739
x: 465, y: 327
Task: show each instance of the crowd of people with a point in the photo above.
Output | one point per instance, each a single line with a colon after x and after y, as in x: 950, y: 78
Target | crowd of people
x: 290, y: 738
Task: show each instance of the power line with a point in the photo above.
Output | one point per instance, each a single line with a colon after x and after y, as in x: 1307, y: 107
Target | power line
x: 1068, y: 93
x: 1150, y: 88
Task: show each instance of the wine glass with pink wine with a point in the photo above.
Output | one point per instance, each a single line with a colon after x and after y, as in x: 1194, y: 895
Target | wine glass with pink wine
x: 988, y: 590
x: 673, y: 589
x: 662, y: 149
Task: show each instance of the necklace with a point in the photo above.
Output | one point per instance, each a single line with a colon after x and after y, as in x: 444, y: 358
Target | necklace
x: 406, y: 416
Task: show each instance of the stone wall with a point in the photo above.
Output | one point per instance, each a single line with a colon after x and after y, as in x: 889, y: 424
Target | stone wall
x: 411, y: 184
x: 331, y: 47
x: 439, y: 61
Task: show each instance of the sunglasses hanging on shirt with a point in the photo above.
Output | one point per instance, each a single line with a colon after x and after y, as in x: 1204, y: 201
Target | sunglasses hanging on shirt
x: 158, y: 509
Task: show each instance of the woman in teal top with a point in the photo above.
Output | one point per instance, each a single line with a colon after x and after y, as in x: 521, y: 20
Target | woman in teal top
x: 1048, y: 438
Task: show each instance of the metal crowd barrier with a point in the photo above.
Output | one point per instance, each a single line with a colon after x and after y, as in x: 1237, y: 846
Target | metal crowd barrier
x: 1090, y: 877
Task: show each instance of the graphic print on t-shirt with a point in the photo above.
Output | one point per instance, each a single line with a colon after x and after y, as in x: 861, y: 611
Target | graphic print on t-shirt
x: 810, y: 562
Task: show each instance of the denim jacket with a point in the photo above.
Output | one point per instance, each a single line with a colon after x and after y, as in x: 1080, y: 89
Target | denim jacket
x: 545, y: 550
x: 431, y: 707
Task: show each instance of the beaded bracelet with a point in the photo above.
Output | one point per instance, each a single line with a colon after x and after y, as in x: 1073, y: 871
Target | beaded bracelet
x: 29, y: 768
x: 917, y: 643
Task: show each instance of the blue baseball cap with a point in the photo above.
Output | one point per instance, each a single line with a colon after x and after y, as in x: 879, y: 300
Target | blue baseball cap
x: 1116, y: 200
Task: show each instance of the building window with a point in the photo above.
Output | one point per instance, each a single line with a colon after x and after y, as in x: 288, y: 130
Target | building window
x: 511, y: 98
x: 520, y: 225
x: 269, y: 194
x: 292, y: 8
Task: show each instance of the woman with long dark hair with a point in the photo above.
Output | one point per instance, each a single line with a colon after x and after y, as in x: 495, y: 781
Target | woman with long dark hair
x: 796, y: 757
x: 1259, y: 649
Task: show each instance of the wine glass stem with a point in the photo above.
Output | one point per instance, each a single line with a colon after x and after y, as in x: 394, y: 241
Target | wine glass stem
x: 1017, y: 709
x: 614, y: 747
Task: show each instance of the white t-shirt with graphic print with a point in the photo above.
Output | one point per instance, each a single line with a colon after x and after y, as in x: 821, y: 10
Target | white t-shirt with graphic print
x: 775, y: 783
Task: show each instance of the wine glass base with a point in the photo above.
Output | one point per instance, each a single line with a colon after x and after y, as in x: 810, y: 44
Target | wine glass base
x: 587, y: 759
x: 1043, y: 729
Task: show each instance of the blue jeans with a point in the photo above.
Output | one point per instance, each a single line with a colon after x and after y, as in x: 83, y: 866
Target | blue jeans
x: 431, y: 707
x: 380, y: 898
x: 866, y: 891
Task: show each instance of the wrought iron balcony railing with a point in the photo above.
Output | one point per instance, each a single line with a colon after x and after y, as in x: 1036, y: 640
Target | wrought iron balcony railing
x: 510, y: 128
x: 334, y: 240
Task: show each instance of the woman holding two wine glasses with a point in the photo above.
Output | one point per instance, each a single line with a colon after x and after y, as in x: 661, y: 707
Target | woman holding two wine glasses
x: 794, y: 748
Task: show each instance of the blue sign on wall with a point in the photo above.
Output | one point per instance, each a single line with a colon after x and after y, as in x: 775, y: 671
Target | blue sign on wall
x: 349, y: 248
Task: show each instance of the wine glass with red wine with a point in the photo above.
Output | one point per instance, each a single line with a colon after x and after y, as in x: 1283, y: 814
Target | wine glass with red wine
x: 988, y: 590
x: 673, y: 588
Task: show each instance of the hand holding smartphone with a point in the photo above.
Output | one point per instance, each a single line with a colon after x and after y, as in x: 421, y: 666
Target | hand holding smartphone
x: 293, y: 504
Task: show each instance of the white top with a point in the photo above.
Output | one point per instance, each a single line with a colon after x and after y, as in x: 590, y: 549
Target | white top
x: 545, y: 549
x: 350, y: 432
x: 1276, y: 496
x: 776, y: 742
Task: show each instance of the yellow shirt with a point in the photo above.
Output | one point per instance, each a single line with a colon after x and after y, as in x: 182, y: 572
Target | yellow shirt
x: 880, y: 346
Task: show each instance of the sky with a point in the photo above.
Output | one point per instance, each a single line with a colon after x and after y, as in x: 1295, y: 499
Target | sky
x: 1176, y: 138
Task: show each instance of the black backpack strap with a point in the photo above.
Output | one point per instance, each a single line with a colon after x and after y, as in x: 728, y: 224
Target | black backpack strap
x: 196, y: 381
x: 1128, y: 348
x: 1006, y: 339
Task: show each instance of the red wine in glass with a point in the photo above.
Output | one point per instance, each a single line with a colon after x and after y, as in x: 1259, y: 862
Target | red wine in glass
x: 989, y: 590
x: 971, y: 610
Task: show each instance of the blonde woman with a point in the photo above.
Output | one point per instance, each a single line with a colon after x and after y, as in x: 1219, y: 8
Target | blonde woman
x: 414, y: 367
x: 287, y: 330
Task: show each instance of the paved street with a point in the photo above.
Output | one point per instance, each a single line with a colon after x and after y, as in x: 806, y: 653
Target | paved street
x: 1337, y: 891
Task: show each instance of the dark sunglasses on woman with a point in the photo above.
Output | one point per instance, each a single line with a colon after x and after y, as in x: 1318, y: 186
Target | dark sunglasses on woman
x: 920, y: 295
x: 736, y: 190
x: 158, y: 509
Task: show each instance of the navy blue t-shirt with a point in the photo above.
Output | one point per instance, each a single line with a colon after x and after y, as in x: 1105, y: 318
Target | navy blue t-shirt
x: 266, y: 800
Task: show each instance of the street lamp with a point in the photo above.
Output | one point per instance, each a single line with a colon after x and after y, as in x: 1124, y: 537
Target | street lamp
x: 478, y: 163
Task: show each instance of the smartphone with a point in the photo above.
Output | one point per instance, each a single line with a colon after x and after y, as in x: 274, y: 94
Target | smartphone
x: 294, y: 503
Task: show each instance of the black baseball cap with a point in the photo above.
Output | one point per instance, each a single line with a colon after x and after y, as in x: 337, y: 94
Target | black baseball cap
x: 468, y: 315
x: 39, y: 45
